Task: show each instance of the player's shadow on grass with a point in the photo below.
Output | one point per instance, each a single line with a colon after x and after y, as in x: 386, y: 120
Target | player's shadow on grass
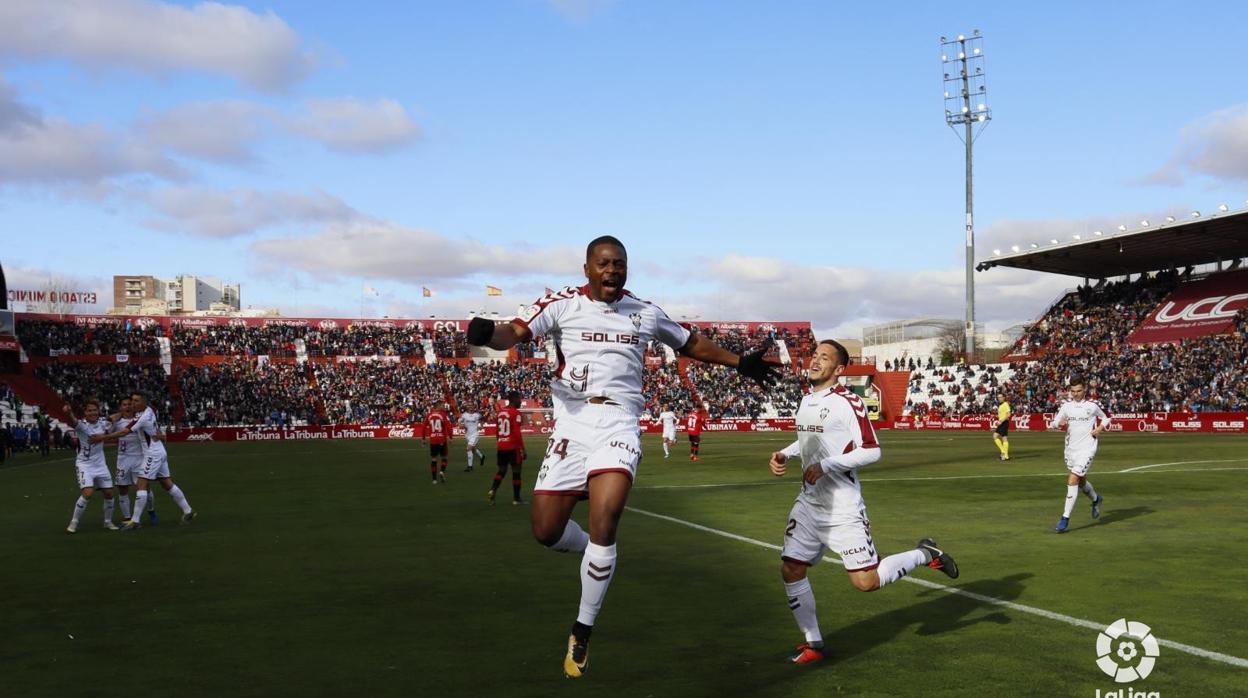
x: 1114, y: 516
x: 943, y: 612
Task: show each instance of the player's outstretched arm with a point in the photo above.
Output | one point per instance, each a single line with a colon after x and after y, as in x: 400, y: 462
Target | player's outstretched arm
x: 750, y: 365
x: 487, y: 333
x: 777, y: 464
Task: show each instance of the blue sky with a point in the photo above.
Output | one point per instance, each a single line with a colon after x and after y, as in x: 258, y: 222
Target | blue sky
x: 761, y: 160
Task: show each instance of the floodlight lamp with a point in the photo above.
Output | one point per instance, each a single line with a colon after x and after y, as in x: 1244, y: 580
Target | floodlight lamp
x: 944, y: 57
x: 977, y: 52
x: 982, y: 117
x: 961, y: 37
x: 961, y: 55
x: 1122, y: 228
x: 1034, y: 246
x: 1014, y: 247
x: 965, y: 109
x: 976, y: 32
x: 996, y: 253
x: 983, y: 107
x: 1144, y: 224
x: 1195, y: 214
x: 1053, y: 241
x: 1097, y: 233
x: 1169, y: 219
x: 1077, y: 236
x: 1223, y: 208
x: 946, y: 94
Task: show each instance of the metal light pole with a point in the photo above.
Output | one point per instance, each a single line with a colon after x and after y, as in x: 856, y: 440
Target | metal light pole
x: 966, y: 107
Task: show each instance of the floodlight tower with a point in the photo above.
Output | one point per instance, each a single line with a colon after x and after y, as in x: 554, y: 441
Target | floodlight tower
x: 967, y: 113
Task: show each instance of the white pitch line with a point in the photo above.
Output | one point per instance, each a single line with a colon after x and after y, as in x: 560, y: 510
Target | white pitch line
x: 1132, y: 470
x: 982, y: 598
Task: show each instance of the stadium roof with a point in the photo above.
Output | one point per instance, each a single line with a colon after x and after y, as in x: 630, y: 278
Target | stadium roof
x: 1199, y: 240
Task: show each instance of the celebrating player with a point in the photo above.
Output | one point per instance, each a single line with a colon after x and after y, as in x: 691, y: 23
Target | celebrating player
x: 1001, y: 435
x: 834, y: 439
x: 600, y: 332
x: 472, y: 433
x: 1084, y: 421
x: 129, y: 462
x: 668, y: 419
x: 155, y: 466
x: 511, y: 451
x: 92, y: 469
x: 693, y: 425
x: 437, y: 435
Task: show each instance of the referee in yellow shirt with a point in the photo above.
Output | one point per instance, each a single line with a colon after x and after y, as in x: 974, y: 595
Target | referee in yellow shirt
x: 1001, y: 435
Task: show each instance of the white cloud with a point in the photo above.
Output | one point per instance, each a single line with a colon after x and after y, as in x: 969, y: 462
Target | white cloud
x: 355, y: 125
x: 379, y: 250
x: 1215, y: 146
x: 260, y: 50
x: 221, y: 214
x: 224, y: 131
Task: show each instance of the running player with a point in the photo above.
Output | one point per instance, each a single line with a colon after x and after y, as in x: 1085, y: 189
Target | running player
x: 92, y: 468
x: 155, y: 466
x: 472, y: 433
x: 437, y: 436
x: 1084, y: 421
x: 668, y: 419
x: 1001, y: 435
x: 511, y: 451
x: 834, y: 439
x: 693, y: 425
x: 600, y: 332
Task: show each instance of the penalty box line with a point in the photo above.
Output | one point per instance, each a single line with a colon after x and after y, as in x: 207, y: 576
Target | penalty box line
x: 982, y: 598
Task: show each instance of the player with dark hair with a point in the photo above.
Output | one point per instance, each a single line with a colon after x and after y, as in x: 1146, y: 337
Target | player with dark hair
x: 600, y: 332
x: 511, y: 453
x: 155, y: 465
x: 834, y: 439
x: 693, y: 427
x: 1084, y: 421
x: 437, y: 436
x: 1001, y: 433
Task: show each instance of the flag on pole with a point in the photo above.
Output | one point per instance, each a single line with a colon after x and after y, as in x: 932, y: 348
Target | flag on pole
x: 426, y: 292
x: 370, y: 291
x: 493, y: 291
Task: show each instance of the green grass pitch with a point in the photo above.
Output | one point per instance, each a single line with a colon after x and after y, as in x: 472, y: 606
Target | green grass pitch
x: 336, y: 568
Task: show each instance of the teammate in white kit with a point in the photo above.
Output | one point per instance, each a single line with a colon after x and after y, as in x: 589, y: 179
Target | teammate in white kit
x: 129, y: 460
x: 472, y: 433
x: 600, y: 332
x: 834, y: 439
x: 668, y: 419
x: 1084, y: 421
x: 92, y: 468
x: 155, y: 464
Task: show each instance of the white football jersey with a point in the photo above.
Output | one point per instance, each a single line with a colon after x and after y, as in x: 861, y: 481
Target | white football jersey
x: 834, y: 433
x: 144, y: 426
x: 600, y: 347
x: 472, y: 425
x: 90, y: 454
x: 669, y: 421
x: 128, y: 447
x: 1081, y: 417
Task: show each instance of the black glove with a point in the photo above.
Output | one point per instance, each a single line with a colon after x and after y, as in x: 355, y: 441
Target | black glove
x: 480, y: 331
x: 752, y: 366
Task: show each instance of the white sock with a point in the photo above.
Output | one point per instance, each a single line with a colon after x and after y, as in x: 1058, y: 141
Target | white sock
x: 79, y: 507
x: 597, y: 569
x: 802, y: 603
x: 108, y: 510
x: 573, y: 540
x: 140, y: 499
x: 1088, y: 490
x: 666, y: 451
x: 896, y: 566
x: 124, y: 500
x: 470, y: 454
x: 180, y: 499
x: 1072, y: 494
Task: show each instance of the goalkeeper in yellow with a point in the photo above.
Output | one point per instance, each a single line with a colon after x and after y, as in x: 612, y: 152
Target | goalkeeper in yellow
x: 1001, y: 434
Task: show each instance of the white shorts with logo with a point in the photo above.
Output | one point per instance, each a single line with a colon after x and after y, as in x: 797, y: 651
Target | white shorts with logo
x: 669, y: 435
x: 597, y: 439
x: 127, y: 470
x: 472, y: 441
x: 1080, y: 462
x: 153, y: 467
x: 95, y: 476
x: 808, y: 534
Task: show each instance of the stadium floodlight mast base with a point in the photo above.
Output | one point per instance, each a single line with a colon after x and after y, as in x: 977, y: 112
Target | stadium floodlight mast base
x: 967, y: 113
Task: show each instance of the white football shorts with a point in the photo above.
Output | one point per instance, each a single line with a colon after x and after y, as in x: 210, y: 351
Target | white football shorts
x: 808, y: 534
x: 596, y: 439
x: 127, y: 470
x: 95, y: 476
x: 153, y: 468
x: 669, y: 435
x: 1080, y: 462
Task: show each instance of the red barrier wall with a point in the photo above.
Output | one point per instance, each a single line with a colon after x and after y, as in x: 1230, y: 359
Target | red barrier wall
x: 1207, y: 422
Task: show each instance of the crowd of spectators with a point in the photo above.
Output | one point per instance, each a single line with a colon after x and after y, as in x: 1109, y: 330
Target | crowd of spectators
x: 378, y: 392
x: 43, y: 337
x: 481, y: 385
x: 246, y: 391
x: 108, y: 383
x: 725, y: 393
x: 664, y: 387
x: 800, y: 343
x: 1097, y: 317
x: 276, y: 339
